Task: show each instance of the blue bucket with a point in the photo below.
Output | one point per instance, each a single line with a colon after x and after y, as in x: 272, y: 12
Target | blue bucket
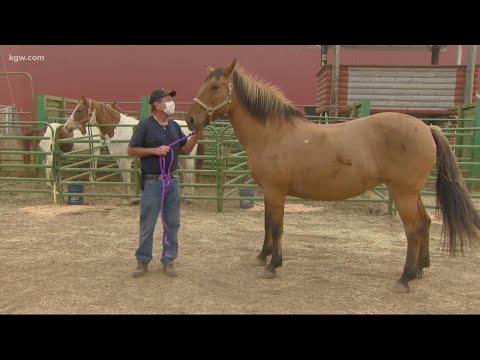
x: 73, y: 199
x: 247, y: 192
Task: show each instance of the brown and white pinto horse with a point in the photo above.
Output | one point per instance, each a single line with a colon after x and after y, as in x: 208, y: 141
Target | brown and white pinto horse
x: 96, y: 113
x: 290, y: 155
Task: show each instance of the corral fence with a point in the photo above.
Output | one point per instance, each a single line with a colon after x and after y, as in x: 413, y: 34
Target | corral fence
x: 225, y: 168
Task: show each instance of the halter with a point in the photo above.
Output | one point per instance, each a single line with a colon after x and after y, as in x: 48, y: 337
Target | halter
x: 89, y: 115
x: 211, y: 110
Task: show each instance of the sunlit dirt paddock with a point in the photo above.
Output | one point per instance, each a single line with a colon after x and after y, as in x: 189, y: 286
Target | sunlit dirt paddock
x: 338, y: 258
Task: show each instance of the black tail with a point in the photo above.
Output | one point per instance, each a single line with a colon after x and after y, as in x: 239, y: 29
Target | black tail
x: 461, y: 222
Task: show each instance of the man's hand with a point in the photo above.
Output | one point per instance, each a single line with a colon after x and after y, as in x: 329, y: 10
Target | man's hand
x: 161, y: 150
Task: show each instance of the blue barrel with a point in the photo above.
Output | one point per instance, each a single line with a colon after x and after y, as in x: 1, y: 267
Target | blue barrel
x: 247, y: 192
x: 74, y: 199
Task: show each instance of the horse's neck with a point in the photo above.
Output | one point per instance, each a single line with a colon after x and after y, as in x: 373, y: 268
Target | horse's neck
x: 55, y: 127
x: 56, y: 131
x: 247, y: 129
x: 104, y: 115
x: 123, y: 132
x: 252, y: 132
x: 64, y: 134
x: 127, y: 120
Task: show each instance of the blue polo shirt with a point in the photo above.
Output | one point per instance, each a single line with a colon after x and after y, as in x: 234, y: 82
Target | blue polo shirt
x: 149, y: 134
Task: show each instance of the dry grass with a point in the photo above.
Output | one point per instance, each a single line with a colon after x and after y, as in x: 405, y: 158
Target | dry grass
x: 338, y: 258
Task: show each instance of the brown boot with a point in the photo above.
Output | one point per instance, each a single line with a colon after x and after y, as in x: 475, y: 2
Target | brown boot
x: 142, y: 268
x: 169, y: 270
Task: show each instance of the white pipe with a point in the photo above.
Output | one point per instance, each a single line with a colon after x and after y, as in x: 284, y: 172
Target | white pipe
x: 459, y: 54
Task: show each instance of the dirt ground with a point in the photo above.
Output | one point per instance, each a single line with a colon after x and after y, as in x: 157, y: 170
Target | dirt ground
x: 339, y: 258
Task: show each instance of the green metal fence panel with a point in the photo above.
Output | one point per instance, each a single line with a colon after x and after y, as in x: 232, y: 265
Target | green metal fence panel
x: 14, y: 172
x: 226, y: 168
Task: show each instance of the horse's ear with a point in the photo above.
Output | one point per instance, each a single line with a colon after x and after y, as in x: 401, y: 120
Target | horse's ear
x: 113, y: 105
x: 229, y: 69
x: 84, y: 100
x: 209, y: 69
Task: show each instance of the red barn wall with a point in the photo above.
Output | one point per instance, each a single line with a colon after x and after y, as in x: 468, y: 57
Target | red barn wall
x: 125, y: 73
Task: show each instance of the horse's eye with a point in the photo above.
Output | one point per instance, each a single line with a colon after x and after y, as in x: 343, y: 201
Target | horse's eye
x: 215, y: 87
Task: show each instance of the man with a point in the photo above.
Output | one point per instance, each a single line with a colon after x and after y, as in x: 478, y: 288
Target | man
x: 150, y: 142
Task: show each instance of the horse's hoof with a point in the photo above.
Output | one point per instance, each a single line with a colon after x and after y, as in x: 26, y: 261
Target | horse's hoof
x: 265, y: 274
x: 259, y: 262
x: 400, y: 288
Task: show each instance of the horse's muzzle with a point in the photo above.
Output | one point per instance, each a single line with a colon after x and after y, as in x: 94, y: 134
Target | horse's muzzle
x: 196, y: 125
x: 191, y: 123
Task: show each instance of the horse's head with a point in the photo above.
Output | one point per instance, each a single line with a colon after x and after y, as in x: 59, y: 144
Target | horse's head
x: 81, y: 116
x: 213, y: 98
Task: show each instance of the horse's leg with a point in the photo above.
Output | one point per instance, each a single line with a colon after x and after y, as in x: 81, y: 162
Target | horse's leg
x: 48, y: 170
x: 416, y: 227
x: 424, y: 254
x: 200, y: 150
x: 125, y: 164
x: 92, y: 175
x: 274, y: 211
x: 182, y: 165
x: 95, y: 165
x: 261, y: 259
x: 189, y: 177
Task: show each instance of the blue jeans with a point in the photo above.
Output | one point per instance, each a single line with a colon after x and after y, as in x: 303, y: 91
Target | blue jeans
x: 150, y: 205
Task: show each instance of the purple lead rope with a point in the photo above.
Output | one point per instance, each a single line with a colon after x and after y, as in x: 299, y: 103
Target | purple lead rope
x: 166, y: 181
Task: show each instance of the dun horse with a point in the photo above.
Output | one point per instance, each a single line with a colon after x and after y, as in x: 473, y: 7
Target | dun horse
x: 289, y: 155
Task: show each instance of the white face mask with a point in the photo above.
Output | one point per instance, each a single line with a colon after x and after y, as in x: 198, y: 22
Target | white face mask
x: 169, y: 107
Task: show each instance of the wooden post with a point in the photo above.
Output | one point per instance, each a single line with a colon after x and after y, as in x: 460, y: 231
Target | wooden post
x: 335, y: 81
x: 435, y: 54
x: 470, y: 74
x: 459, y: 54
x: 324, y: 55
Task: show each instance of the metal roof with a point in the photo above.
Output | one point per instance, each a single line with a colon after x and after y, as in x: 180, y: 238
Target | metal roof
x: 395, y: 47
